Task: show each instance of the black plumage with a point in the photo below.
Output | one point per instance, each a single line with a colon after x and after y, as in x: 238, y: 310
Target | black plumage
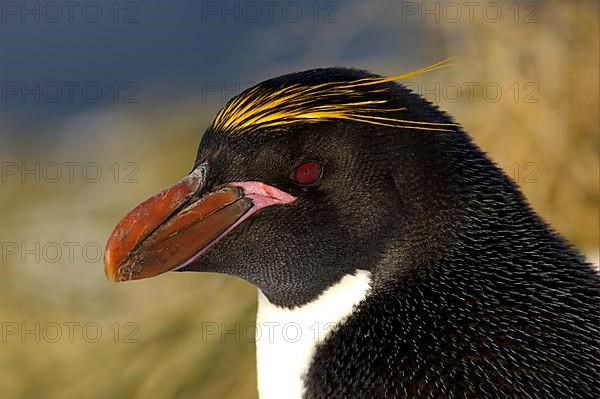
x: 499, y: 307
x: 472, y: 296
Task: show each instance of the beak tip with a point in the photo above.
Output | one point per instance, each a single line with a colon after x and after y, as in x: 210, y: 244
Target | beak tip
x: 110, y: 263
x: 142, y: 220
x: 110, y: 276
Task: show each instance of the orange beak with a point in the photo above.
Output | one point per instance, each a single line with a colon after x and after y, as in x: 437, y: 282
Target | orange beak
x: 171, y: 229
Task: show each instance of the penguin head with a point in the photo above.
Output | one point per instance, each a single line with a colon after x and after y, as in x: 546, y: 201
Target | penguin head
x: 299, y: 181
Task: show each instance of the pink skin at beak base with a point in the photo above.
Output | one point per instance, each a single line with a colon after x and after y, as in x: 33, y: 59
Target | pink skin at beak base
x: 262, y: 196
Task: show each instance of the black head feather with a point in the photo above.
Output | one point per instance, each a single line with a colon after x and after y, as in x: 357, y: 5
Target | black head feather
x: 473, y: 294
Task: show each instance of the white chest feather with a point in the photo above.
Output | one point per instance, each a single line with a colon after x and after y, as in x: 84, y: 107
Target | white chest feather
x: 286, y: 339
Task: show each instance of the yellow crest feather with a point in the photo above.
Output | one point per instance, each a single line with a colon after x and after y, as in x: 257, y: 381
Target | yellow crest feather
x: 260, y: 107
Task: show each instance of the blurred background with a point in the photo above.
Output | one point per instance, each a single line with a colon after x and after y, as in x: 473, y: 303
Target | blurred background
x: 103, y: 103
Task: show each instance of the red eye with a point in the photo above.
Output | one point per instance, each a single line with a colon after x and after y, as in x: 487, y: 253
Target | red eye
x: 307, y: 173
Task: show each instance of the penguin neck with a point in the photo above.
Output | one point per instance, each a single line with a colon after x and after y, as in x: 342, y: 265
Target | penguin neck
x: 286, y: 338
